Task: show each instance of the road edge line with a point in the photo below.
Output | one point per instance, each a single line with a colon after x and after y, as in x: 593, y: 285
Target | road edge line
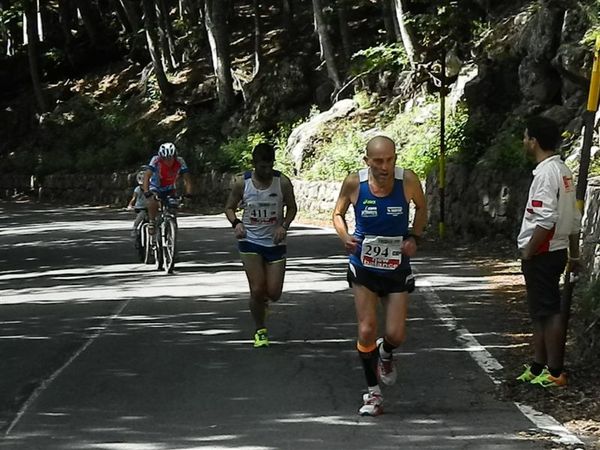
x: 48, y: 381
x: 490, y: 365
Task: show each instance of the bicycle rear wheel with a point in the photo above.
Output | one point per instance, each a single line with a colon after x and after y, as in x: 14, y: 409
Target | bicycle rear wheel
x: 169, y: 239
x: 146, y: 244
x: 139, y: 244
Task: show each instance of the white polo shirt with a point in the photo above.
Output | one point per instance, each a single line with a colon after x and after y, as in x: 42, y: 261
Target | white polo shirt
x: 551, y: 205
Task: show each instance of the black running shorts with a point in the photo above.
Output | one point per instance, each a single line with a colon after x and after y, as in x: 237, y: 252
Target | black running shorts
x: 397, y: 281
x: 542, y: 279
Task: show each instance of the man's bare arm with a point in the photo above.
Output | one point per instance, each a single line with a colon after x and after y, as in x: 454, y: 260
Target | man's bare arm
x: 290, y: 201
x: 234, y: 199
x: 348, y: 195
x: 417, y: 196
x: 187, y: 183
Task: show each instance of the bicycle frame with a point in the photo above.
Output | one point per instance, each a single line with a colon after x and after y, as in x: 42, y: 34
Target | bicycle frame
x: 166, y: 235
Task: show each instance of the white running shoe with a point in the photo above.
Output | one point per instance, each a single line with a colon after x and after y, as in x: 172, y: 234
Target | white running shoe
x: 386, y: 370
x: 372, y: 405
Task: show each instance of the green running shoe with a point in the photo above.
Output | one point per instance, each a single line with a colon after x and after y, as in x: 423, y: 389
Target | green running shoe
x: 527, y: 376
x: 261, y: 338
x: 545, y: 379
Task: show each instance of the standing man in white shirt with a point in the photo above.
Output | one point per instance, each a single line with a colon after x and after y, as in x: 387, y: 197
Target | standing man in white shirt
x: 548, y: 241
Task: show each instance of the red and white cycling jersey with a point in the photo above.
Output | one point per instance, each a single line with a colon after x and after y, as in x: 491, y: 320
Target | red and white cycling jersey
x: 164, y: 177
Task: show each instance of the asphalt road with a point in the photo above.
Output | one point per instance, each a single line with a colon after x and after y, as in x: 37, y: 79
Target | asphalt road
x: 100, y: 352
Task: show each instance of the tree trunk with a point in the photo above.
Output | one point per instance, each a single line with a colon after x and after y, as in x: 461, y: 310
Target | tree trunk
x: 133, y: 14
x: 287, y: 20
x: 122, y: 16
x: 150, y: 24
x: 190, y: 11
x: 258, y: 55
x: 406, y: 34
x: 91, y: 21
x: 40, y: 20
x: 32, y: 52
x: 167, y: 26
x: 66, y: 12
x: 344, y: 29
x: 388, y: 21
x: 327, y: 53
x: 216, y: 27
x: 14, y: 37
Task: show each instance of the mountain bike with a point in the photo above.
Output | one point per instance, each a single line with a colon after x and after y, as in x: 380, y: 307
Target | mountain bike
x: 143, y: 242
x: 165, y: 237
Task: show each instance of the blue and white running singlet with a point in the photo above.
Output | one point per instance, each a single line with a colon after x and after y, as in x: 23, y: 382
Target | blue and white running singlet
x: 381, y: 225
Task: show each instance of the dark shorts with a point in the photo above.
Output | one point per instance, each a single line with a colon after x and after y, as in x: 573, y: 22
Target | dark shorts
x: 269, y: 254
x: 542, y: 280
x: 164, y: 194
x: 397, y: 281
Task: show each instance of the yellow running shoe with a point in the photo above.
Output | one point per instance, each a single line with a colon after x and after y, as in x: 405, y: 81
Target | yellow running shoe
x: 261, y: 338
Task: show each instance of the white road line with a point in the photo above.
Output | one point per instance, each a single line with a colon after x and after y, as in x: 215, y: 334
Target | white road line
x: 48, y: 381
x: 491, y: 366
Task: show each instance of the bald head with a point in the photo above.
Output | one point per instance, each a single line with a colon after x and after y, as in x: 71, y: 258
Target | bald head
x: 380, y: 143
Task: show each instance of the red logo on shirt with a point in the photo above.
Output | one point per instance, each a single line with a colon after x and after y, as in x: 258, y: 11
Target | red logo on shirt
x: 568, y: 182
x: 536, y: 203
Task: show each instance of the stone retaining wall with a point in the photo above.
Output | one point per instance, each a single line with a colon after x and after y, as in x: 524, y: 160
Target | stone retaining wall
x: 590, y: 230
x: 487, y: 207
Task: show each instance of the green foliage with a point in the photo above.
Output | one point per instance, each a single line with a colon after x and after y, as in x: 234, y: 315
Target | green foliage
x: 595, y: 166
x: 86, y: 137
x: 592, y: 13
x: 417, y: 136
x: 506, y: 149
x: 446, y: 21
x: 236, y: 153
x: 341, y: 155
x: 380, y: 57
x: 11, y: 13
x: 283, y: 160
x: 416, y: 133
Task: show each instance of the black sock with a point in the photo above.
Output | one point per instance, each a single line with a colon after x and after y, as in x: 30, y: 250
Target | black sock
x: 555, y: 372
x: 536, y: 368
x: 387, y: 347
x: 369, y: 361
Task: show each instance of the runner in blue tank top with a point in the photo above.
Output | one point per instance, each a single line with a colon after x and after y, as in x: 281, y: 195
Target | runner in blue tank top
x: 380, y: 251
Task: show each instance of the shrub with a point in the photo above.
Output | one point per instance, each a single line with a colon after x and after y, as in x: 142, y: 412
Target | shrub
x: 417, y: 136
x: 380, y: 57
x: 236, y: 153
x: 333, y: 160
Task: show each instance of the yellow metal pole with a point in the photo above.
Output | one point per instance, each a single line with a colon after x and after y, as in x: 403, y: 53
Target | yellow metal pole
x: 584, y: 165
x: 442, y: 161
x: 589, y: 117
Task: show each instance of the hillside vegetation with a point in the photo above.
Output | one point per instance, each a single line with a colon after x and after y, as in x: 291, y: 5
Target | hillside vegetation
x: 101, y: 102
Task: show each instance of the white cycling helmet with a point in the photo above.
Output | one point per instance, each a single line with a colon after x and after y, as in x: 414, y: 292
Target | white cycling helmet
x: 140, y: 176
x: 167, y: 150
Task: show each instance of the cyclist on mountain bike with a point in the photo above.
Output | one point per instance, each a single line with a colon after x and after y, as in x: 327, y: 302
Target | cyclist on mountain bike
x: 160, y: 180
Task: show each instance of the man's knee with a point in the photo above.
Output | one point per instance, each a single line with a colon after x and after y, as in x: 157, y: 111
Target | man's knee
x: 367, y: 331
x: 274, y: 294
x: 396, y: 338
x: 258, y: 293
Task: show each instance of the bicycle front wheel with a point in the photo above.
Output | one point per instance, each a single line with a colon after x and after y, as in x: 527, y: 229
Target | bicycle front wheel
x: 156, y: 242
x: 169, y: 239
